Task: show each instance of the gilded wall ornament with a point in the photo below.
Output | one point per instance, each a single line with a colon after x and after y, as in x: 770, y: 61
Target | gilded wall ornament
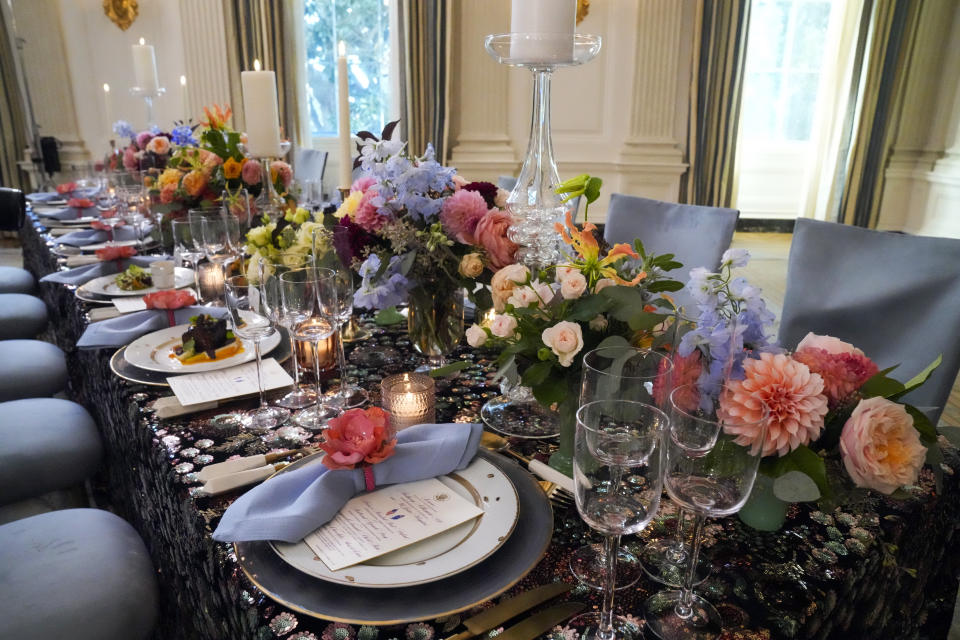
x: 121, y: 12
x: 583, y: 8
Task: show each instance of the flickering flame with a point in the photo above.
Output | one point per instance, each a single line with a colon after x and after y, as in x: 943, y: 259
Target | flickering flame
x: 256, y: 64
x: 342, y: 48
x: 106, y: 88
x: 142, y: 41
x: 183, y: 81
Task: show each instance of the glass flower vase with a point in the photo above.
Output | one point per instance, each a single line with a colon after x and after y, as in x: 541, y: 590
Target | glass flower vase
x: 435, y: 322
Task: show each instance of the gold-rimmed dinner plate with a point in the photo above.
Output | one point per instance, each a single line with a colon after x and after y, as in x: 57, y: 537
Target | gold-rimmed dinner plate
x: 114, y: 243
x: 439, y: 556
x: 154, y: 352
x: 508, y: 565
x: 107, y: 285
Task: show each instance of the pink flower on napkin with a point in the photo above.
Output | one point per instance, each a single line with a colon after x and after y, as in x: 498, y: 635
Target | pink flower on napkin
x: 171, y: 299
x: 66, y: 187
x: 115, y: 253
x: 80, y: 203
x: 357, y: 436
x: 99, y: 226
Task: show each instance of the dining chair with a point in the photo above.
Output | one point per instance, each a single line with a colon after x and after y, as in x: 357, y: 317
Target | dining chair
x: 509, y: 182
x: 16, y: 280
x: 309, y: 164
x: 13, y: 208
x: 696, y: 235
x: 31, y: 369
x: 21, y: 316
x: 893, y: 295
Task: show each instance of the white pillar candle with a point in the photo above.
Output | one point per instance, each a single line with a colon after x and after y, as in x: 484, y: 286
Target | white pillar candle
x: 108, y: 110
x: 261, y: 112
x: 543, y: 18
x: 345, y: 139
x: 184, y: 99
x: 145, y: 66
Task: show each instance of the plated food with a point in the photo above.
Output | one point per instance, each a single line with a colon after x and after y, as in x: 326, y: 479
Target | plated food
x: 156, y: 351
x: 134, y: 279
x: 207, y: 340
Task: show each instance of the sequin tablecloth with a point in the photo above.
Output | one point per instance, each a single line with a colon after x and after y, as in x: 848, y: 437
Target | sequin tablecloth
x: 880, y: 569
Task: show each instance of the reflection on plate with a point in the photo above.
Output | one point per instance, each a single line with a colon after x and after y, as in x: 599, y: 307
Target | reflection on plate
x: 340, y: 603
x: 107, y: 285
x: 439, y: 556
x: 86, y: 296
x: 154, y: 352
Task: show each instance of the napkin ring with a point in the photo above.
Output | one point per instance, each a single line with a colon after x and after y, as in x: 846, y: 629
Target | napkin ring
x: 368, y: 478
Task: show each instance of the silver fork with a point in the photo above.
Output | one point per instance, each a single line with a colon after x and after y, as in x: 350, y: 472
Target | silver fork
x: 558, y: 496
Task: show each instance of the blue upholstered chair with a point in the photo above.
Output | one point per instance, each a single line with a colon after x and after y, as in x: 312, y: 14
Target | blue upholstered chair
x: 16, y: 280
x: 507, y: 182
x: 895, y: 296
x: 82, y: 574
x: 696, y: 235
x: 21, y: 316
x: 31, y: 369
x: 309, y: 164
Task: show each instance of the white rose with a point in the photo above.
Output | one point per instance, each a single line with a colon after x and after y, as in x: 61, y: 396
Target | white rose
x: 573, y: 285
x: 564, y: 272
x: 476, y: 336
x: 505, y: 281
x: 565, y: 339
x: 523, y: 297
x: 503, y: 326
x: 500, y: 201
x: 599, y: 322
x: 602, y: 284
x: 545, y: 291
x: 471, y: 265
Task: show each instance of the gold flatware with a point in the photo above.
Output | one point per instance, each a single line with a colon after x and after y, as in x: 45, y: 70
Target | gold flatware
x: 558, y: 496
x: 493, y: 442
x: 486, y: 620
x: 542, y: 621
x: 243, y: 464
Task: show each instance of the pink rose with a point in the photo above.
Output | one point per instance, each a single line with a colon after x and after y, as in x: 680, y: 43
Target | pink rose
x: 491, y: 234
x: 501, y: 200
x: 602, y: 284
x: 172, y: 299
x: 565, y: 339
x: 281, y: 170
x: 367, y: 215
x: 130, y: 158
x: 168, y: 192
x: 363, y: 183
x: 880, y: 447
x: 476, y: 336
x: 505, y: 281
x: 459, y: 181
x: 523, y: 297
x: 503, y: 326
x: 461, y: 213
x: 251, y: 172
x: 356, y: 436
x: 159, y: 145
x: 573, y: 285
x: 544, y: 291
x: 143, y: 138
x: 828, y: 344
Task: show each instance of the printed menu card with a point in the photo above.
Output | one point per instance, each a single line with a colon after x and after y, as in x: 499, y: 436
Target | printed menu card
x: 388, y: 519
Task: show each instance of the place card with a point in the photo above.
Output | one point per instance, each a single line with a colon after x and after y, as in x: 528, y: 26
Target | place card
x: 129, y: 304
x: 388, y: 519
x: 221, y: 384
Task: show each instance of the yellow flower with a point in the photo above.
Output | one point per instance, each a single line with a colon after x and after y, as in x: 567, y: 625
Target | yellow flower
x: 194, y: 183
x: 349, y: 206
x: 231, y: 169
x: 591, y: 264
x: 169, y: 176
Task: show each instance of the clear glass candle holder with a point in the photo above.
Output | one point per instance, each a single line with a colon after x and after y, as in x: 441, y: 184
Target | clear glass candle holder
x: 409, y: 399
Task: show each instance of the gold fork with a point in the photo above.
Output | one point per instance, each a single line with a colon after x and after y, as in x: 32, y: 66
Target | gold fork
x: 558, y: 496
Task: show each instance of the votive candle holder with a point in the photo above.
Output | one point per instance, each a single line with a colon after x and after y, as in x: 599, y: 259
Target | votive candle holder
x: 408, y: 399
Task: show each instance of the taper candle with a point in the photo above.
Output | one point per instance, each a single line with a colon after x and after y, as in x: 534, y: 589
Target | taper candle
x: 145, y: 66
x: 343, y: 101
x: 551, y: 21
x: 108, y: 110
x: 184, y: 99
x: 261, y: 112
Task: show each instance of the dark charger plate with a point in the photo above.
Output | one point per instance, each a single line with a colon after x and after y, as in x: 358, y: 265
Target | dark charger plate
x: 359, y: 605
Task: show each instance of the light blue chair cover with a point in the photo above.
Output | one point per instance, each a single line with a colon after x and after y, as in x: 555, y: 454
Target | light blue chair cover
x: 16, y: 280
x: 895, y: 296
x: 696, y: 235
x: 21, y: 316
x: 507, y: 182
x: 31, y: 369
x: 309, y: 164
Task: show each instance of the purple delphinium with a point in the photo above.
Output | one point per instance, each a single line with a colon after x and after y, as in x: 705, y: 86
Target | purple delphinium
x: 182, y: 136
x: 389, y: 290
x: 123, y: 129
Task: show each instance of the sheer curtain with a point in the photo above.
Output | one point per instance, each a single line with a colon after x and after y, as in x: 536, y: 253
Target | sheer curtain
x: 13, y: 121
x: 720, y: 47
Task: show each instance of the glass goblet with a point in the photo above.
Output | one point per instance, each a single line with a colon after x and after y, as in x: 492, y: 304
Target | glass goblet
x: 186, y: 247
x: 618, y: 480
x: 346, y: 395
x: 710, y: 473
x: 252, y: 321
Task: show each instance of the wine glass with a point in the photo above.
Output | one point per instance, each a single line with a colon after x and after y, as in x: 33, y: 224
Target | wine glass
x: 251, y: 320
x: 346, y: 395
x: 302, y: 292
x: 210, y: 227
x: 187, y: 248
x: 131, y: 209
x: 710, y: 473
x: 108, y: 203
x: 268, y: 275
x: 617, y: 475
x: 625, y: 373
x: 237, y: 204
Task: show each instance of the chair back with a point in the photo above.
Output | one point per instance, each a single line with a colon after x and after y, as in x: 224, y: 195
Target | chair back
x: 13, y: 208
x: 507, y: 182
x: 895, y: 296
x: 696, y: 235
x: 309, y: 164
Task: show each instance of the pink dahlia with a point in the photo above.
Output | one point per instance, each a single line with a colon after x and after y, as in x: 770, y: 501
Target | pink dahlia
x: 366, y: 215
x: 363, y: 183
x: 686, y: 371
x: 842, y: 373
x: 251, y: 173
x: 792, y: 394
x: 280, y: 169
x: 461, y: 213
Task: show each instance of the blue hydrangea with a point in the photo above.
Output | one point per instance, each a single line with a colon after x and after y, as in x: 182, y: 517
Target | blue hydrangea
x: 389, y: 290
x: 123, y: 129
x: 183, y: 136
x: 404, y: 183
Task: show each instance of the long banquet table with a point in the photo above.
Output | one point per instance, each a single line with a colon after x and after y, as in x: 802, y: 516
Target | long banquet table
x: 880, y: 569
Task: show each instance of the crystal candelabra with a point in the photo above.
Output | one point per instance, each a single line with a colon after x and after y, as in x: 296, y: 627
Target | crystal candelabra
x: 534, y: 203
x: 148, y: 95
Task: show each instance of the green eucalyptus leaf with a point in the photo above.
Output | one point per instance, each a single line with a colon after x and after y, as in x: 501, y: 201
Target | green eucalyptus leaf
x: 536, y: 373
x: 446, y: 370
x: 626, y: 301
x: 664, y: 285
x: 646, y: 320
x: 796, y: 486
x: 928, y: 432
x: 920, y: 378
x: 553, y: 390
x: 592, y: 189
x: 613, y: 341
x: 587, y: 307
x: 881, y: 385
x: 388, y: 316
x: 806, y: 460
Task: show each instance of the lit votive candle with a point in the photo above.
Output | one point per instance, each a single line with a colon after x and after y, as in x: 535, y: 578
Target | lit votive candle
x: 211, y: 282
x: 409, y: 399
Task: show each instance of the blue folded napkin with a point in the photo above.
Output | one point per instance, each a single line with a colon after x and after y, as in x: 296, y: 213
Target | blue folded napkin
x: 44, y: 196
x: 68, y: 213
x: 88, y: 272
x: 121, y: 331
x: 92, y: 236
x: 290, y: 505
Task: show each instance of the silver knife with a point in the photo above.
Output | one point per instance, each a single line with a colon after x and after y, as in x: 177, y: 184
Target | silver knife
x: 541, y: 622
x: 486, y: 620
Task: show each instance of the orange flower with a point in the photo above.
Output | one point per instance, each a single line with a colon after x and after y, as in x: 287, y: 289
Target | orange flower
x: 590, y: 263
x: 217, y: 119
x: 231, y: 169
x: 194, y: 183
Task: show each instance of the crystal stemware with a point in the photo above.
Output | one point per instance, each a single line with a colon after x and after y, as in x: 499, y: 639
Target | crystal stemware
x: 710, y: 473
x: 346, y: 395
x: 617, y: 462
x: 187, y: 248
x: 625, y: 373
x: 251, y: 320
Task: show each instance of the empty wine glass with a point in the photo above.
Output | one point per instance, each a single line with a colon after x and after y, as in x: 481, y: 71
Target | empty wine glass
x: 710, y: 473
x: 251, y: 320
x: 130, y: 206
x: 346, y: 395
x: 624, y: 373
x: 304, y: 293
x: 108, y: 203
x: 617, y: 475
x: 237, y: 204
x: 187, y: 248
x: 210, y: 227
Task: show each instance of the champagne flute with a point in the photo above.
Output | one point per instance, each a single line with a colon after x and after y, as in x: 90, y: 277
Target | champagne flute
x: 251, y: 320
x: 617, y: 474
x: 624, y: 373
x: 711, y: 474
x: 187, y: 248
x: 302, y: 291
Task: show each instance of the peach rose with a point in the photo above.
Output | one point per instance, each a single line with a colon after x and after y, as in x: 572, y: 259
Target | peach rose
x: 168, y: 192
x: 523, y: 297
x: 565, y: 339
x: 505, y: 281
x: 194, y: 183
x: 476, y: 336
x: 159, y: 145
x: 471, y: 265
x: 491, y: 234
x: 357, y: 436
x: 503, y: 326
x: 602, y: 284
x: 880, y: 447
x: 828, y: 344
x: 573, y: 285
x: 545, y: 291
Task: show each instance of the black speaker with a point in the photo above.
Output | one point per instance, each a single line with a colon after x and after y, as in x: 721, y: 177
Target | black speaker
x: 50, y: 150
x: 13, y: 208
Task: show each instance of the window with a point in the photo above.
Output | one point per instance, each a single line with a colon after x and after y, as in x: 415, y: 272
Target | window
x: 364, y: 26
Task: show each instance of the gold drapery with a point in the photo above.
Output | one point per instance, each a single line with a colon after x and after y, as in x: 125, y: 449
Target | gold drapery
x: 890, y: 35
x: 13, y: 120
x: 425, y: 73
x: 720, y: 48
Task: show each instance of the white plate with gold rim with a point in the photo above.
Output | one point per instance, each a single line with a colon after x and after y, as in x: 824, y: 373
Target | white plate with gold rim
x: 439, y: 556
x: 107, y: 285
x: 154, y: 352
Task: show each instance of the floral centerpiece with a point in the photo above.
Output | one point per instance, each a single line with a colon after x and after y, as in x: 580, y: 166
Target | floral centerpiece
x: 287, y: 240
x: 145, y: 150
